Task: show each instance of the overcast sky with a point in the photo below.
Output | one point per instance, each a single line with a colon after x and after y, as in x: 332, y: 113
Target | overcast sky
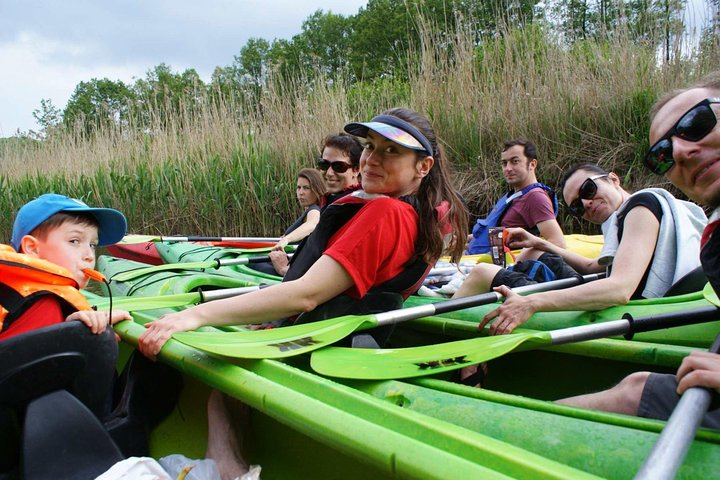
x: 47, y: 47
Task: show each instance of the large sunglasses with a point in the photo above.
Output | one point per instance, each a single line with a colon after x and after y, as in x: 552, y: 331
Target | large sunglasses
x: 587, y: 191
x: 337, y: 166
x: 693, y: 126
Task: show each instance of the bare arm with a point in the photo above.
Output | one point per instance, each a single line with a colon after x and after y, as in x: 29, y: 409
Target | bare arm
x: 631, y: 260
x: 311, y: 221
x: 325, y: 280
x: 551, y: 231
x: 520, y: 238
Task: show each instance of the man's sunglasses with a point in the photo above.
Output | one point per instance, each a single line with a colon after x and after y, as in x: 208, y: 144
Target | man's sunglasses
x: 692, y: 126
x: 587, y: 191
x: 337, y: 166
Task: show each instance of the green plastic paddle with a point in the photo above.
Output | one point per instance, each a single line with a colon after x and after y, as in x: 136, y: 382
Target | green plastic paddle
x: 214, y: 263
x: 132, y: 239
x: 369, y: 364
x: 668, y: 453
x: 136, y: 304
x: 297, y: 339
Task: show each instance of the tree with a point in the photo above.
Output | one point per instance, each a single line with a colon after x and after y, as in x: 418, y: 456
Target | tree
x: 167, y: 93
x: 48, y: 116
x: 98, y: 103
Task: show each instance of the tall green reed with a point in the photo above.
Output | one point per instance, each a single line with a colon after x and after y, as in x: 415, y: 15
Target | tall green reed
x: 226, y: 166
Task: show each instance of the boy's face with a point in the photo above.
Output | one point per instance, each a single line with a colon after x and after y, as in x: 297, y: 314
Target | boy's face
x: 70, y: 245
x: 697, y: 167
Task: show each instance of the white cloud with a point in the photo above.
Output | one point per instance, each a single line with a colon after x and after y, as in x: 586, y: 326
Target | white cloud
x: 32, y: 73
x: 47, y: 48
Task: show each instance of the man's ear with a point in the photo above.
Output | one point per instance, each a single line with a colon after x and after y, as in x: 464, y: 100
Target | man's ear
x: 30, y: 245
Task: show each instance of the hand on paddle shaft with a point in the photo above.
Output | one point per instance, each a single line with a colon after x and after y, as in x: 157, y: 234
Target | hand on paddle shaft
x: 698, y: 373
x: 514, y: 311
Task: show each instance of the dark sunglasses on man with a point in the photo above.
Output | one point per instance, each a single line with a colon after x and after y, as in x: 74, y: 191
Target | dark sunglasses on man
x: 587, y: 191
x: 337, y: 166
x: 692, y: 126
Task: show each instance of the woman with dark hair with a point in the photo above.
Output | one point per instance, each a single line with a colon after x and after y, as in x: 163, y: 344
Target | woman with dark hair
x: 340, y: 162
x: 378, y: 241
x: 651, y: 240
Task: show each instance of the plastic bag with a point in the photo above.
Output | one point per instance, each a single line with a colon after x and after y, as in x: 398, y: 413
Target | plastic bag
x: 135, y: 468
x: 202, y: 469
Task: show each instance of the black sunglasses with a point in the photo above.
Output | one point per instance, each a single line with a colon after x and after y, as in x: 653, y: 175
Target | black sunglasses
x: 587, y: 190
x: 337, y: 166
x: 692, y: 126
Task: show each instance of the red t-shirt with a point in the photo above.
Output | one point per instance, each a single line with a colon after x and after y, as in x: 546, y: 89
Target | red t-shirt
x: 376, y: 244
x: 45, y: 312
x: 529, y: 210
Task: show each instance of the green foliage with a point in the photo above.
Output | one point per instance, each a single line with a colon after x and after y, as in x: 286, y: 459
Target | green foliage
x: 97, y: 103
x: 222, y: 158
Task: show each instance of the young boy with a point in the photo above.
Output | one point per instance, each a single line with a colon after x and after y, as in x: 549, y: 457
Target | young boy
x: 54, y: 239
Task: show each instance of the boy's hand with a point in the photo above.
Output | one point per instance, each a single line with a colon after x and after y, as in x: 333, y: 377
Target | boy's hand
x: 98, y: 321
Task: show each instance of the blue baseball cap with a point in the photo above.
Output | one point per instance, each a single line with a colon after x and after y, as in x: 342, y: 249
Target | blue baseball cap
x: 112, y: 223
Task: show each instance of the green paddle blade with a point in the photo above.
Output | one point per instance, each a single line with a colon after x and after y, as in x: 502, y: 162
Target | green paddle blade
x: 132, y: 239
x: 278, y: 342
x: 139, y: 272
x: 136, y: 304
x: 710, y: 295
x: 368, y: 364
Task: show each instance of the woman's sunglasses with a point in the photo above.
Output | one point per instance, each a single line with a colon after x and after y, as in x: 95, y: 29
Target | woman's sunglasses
x: 337, y: 166
x: 587, y: 191
x: 692, y: 126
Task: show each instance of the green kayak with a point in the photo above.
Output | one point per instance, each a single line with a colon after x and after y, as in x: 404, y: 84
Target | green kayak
x: 308, y: 426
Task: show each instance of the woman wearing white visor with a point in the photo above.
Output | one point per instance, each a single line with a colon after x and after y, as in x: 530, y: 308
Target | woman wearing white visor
x: 379, y: 240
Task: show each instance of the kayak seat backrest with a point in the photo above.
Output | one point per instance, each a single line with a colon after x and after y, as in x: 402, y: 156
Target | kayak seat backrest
x: 693, y: 281
x: 65, y: 356
x: 63, y: 439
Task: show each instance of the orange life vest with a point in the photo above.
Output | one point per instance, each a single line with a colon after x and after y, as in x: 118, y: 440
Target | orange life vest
x: 24, y: 279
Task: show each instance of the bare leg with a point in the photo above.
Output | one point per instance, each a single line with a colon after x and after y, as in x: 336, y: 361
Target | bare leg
x: 478, y: 280
x: 528, y: 254
x: 622, y: 398
x: 223, y: 445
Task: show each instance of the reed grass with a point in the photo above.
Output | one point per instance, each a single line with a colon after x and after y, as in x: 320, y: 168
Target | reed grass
x: 224, y: 166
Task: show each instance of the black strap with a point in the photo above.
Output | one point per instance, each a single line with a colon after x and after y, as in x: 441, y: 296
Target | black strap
x: 17, y: 305
x: 12, y: 301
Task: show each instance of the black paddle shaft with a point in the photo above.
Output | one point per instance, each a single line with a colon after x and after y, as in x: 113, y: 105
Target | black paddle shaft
x: 673, y: 319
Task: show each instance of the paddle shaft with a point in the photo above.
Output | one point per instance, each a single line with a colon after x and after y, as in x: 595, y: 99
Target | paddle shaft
x: 216, y: 239
x: 396, y: 316
x: 628, y: 325
x: 170, y: 301
x: 669, y: 451
x: 432, y: 359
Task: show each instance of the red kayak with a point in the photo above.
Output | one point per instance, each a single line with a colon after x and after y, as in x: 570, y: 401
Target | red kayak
x: 147, y: 253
